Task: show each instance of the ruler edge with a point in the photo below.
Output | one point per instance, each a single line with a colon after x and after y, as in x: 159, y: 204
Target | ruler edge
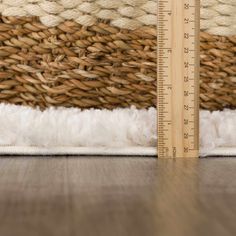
x: 196, y: 75
x: 197, y: 71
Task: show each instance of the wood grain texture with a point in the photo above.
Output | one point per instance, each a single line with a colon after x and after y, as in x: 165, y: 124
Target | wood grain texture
x: 117, y: 196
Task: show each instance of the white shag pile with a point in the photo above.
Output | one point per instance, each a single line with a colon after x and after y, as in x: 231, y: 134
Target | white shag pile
x: 217, y: 129
x: 70, y: 127
x: 24, y: 126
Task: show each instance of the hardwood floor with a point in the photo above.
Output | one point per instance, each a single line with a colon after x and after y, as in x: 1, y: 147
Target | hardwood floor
x: 73, y: 196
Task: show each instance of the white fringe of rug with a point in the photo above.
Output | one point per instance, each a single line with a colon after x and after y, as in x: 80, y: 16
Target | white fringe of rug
x: 70, y: 131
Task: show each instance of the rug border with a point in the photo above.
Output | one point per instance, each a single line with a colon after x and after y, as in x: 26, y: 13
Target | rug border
x: 99, y: 151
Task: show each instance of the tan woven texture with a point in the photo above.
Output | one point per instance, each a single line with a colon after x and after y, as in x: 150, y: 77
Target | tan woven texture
x: 100, y: 66
x: 218, y: 72
x: 69, y: 65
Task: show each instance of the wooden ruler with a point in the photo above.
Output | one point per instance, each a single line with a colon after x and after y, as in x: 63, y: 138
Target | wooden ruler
x: 177, y: 82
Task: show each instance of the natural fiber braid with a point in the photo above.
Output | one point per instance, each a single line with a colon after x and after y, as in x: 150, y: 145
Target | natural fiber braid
x: 218, y: 72
x: 100, y: 66
x: 219, y: 17
x: 71, y: 65
x: 127, y: 14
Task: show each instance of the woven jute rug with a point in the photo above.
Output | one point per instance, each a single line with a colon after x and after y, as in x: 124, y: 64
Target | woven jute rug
x: 101, y: 54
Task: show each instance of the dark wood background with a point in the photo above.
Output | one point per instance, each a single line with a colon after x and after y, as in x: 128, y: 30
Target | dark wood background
x: 70, y: 196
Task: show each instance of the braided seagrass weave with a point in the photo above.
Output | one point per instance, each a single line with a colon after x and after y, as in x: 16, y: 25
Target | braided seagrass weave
x: 218, y: 71
x: 71, y: 65
x: 102, y: 54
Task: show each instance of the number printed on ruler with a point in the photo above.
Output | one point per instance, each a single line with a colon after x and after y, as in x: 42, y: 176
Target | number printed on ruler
x: 177, y: 78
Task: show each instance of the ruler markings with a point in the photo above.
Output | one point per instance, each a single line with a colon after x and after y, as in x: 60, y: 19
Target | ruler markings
x: 178, y: 66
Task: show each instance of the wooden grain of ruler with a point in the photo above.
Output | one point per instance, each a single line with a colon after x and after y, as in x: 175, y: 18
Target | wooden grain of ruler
x: 177, y: 78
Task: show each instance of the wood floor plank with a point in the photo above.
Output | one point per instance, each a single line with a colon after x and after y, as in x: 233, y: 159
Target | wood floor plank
x: 117, y: 196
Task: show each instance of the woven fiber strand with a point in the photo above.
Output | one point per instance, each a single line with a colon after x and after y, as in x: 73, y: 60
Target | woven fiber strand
x: 100, y: 66
x: 218, y: 72
x: 71, y: 65
x: 218, y: 17
x: 128, y: 14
